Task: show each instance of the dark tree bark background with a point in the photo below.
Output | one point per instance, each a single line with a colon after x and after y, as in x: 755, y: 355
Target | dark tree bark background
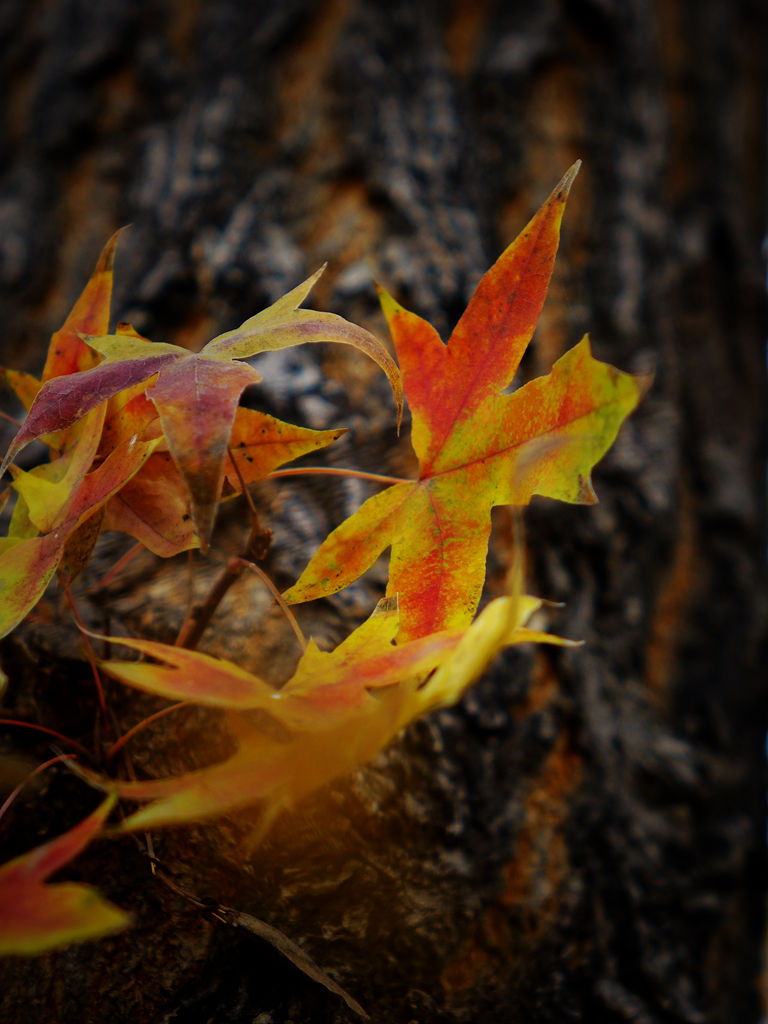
x: 583, y: 838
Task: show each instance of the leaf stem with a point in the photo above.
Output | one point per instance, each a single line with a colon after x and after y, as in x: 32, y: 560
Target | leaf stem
x: 119, y: 744
x: 117, y: 568
x: 50, y: 732
x: 378, y: 478
x: 284, y: 606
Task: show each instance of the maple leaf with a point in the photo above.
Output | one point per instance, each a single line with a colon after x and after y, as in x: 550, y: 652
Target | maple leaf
x: 196, y: 395
x: 35, y: 916
x: 54, y: 502
x: 339, y: 708
x: 154, y: 506
x: 476, y: 446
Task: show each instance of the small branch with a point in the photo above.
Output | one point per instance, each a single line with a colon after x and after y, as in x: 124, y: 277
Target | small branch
x: 257, y: 531
x: 256, y: 548
x: 197, y: 621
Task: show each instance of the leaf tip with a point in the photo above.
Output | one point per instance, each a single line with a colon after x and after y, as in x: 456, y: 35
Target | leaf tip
x: 310, y: 283
x: 389, y: 605
x: 107, y: 259
x: 389, y: 306
x: 644, y: 383
x: 586, y: 492
x: 563, y: 187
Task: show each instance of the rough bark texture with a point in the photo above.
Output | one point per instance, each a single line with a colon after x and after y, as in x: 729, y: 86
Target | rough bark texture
x: 583, y: 838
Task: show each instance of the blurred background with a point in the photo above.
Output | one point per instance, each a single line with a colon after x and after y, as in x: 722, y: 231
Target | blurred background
x: 596, y: 819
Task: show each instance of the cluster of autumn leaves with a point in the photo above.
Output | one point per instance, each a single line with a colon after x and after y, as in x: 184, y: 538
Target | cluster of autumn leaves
x: 148, y: 439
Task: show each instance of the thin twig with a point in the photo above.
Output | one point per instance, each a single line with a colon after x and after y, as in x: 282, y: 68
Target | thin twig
x: 91, y: 655
x: 290, y: 950
x: 131, y: 773
x: 190, y: 613
x: 279, y: 940
x: 197, y: 621
x: 259, y: 538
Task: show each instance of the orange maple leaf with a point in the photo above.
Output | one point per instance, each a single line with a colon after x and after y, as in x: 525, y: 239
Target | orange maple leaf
x: 476, y: 446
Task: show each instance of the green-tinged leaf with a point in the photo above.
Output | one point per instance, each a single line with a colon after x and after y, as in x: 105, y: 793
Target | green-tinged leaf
x: 21, y: 526
x: 36, y: 916
x: 27, y: 564
x: 284, y: 325
x: 476, y: 446
x: 46, y: 489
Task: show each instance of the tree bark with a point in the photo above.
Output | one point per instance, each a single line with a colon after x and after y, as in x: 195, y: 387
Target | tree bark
x: 583, y: 838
